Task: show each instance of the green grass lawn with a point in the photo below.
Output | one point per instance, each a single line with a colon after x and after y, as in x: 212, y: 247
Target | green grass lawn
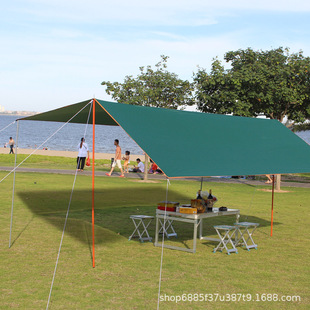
x: 127, y: 272
x: 65, y: 163
x: 49, y: 162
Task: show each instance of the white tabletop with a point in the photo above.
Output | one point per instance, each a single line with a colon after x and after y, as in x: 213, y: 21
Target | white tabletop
x: 215, y: 212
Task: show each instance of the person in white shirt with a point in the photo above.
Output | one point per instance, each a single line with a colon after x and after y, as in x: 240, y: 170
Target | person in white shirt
x: 140, y: 167
x: 83, y: 152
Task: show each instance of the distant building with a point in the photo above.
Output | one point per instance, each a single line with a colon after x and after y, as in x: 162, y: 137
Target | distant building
x: 2, y: 109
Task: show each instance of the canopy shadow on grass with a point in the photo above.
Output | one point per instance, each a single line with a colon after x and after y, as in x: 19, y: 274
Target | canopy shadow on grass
x: 113, y: 208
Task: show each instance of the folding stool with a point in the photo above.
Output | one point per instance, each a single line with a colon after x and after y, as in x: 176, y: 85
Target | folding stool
x: 141, y: 222
x: 226, y: 233
x: 246, y: 230
x: 168, y: 225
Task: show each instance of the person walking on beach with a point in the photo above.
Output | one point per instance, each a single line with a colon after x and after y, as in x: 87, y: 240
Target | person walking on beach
x: 83, y: 152
x: 117, y: 159
x: 11, y: 144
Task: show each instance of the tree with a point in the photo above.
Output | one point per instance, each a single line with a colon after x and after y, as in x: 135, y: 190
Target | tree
x: 156, y: 88
x: 274, y: 83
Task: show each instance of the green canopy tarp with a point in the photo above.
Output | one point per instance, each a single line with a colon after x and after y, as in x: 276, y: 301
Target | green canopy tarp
x: 192, y: 144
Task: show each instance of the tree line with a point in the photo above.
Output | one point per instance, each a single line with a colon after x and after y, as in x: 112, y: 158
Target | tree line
x: 274, y: 83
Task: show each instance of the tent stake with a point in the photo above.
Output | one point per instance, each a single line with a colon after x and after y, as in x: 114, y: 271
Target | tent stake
x: 93, y: 184
x: 13, y: 194
x: 272, y: 205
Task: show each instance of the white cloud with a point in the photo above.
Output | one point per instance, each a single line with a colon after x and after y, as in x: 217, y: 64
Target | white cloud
x: 55, y: 68
x: 58, y: 52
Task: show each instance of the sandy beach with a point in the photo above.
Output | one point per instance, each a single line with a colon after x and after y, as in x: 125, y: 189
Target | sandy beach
x: 65, y: 153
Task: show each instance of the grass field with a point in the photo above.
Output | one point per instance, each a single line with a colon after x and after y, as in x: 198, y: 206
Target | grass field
x: 127, y: 272
x: 65, y: 163
x: 48, y: 162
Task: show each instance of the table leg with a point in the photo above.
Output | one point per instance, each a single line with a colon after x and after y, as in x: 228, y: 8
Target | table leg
x: 156, y: 231
x: 200, y: 229
x: 237, y: 218
x: 195, y: 236
x: 236, y: 235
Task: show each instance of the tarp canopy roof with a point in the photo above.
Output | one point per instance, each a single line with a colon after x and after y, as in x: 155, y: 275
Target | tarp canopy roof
x: 192, y: 144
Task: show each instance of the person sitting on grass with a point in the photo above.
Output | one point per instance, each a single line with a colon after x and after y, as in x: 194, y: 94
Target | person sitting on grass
x: 153, y: 167
x: 117, y: 159
x: 140, y: 167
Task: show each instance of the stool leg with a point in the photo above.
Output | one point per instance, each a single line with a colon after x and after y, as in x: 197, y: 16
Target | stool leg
x: 140, y: 236
x: 225, y: 240
x: 156, y: 230
x: 171, y: 228
x: 136, y: 228
x: 250, y: 233
x: 238, y: 239
x: 245, y: 236
x: 165, y: 227
x: 146, y: 232
x: 162, y: 229
x: 221, y: 241
x: 233, y: 232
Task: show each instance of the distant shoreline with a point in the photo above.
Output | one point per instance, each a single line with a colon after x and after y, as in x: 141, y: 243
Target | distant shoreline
x: 19, y: 113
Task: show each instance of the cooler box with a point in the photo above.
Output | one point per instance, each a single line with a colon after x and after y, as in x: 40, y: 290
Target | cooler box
x: 168, y: 204
x: 169, y: 209
x: 171, y: 205
x: 188, y: 210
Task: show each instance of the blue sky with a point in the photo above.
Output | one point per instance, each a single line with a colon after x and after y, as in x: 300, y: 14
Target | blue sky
x: 56, y: 52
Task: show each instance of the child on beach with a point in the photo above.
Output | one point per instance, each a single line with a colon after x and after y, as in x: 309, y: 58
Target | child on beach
x: 126, y: 159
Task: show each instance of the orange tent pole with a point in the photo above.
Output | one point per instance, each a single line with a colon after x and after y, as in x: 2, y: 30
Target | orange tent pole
x: 93, y: 184
x: 272, y: 205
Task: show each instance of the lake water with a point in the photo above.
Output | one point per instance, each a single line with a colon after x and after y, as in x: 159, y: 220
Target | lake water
x: 34, y: 133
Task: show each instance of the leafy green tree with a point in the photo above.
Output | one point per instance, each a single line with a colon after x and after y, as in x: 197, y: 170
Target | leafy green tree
x: 274, y: 83
x: 153, y: 87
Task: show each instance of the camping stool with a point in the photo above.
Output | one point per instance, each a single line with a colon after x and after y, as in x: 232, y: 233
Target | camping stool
x: 226, y: 233
x: 246, y: 230
x: 141, y: 222
x: 164, y: 227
